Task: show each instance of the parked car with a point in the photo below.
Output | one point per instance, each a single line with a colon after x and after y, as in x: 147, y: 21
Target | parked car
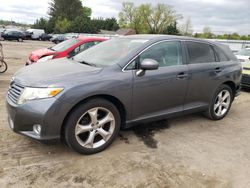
x: 35, y: 33
x: 58, y: 39
x: 27, y: 35
x: 68, y: 48
x: 243, y: 55
x: 13, y: 35
x: 245, y: 82
x: 45, y: 37
x: 119, y: 83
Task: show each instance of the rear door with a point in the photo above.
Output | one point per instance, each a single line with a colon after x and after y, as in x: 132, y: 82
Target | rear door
x: 204, y: 71
x: 160, y: 92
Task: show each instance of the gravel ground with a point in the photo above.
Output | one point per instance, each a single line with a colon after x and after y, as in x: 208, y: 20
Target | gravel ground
x: 189, y: 151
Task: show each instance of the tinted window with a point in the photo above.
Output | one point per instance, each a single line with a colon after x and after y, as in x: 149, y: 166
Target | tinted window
x: 200, y: 52
x: 221, y: 54
x: 82, y: 47
x: 165, y: 53
x: 65, y: 45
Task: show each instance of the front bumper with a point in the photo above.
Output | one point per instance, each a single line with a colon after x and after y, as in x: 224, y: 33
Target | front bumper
x: 49, y: 113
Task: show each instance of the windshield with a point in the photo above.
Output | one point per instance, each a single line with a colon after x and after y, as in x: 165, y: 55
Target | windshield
x: 65, y: 45
x: 109, y: 52
x: 245, y: 52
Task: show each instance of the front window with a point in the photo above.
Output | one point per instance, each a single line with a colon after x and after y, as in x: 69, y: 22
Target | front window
x: 64, y: 45
x: 244, y: 52
x: 165, y: 53
x: 109, y: 52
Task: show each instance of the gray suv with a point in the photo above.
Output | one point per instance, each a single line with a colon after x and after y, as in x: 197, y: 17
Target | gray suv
x: 87, y: 99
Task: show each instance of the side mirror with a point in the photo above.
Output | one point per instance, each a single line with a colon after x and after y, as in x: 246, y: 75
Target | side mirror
x: 149, y: 64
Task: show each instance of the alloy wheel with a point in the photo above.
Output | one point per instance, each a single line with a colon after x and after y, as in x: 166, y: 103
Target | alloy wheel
x: 95, y: 127
x: 222, y: 103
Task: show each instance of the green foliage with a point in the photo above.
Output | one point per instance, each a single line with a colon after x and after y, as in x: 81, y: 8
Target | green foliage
x: 62, y: 25
x: 71, y: 16
x: 41, y: 23
x: 147, y: 18
x: 69, y: 9
x: 172, y: 29
x: 109, y: 24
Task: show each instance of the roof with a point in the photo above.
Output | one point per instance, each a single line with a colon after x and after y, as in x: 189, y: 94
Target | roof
x: 91, y: 38
x: 168, y: 37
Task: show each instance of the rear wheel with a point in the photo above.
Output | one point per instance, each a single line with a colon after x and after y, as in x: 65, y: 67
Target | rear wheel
x: 92, y: 126
x: 3, y: 66
x: 221, y: 103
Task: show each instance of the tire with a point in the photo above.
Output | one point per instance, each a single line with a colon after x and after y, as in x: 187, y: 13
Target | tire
x: 92, y: 126
x: 221, y: 103
x: 3, y: 66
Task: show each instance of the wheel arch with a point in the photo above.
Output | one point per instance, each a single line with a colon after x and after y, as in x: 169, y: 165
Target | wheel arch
x: 232, y: 85
x: 119, y: 105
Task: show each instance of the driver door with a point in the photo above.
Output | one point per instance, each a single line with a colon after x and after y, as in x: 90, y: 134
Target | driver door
x: 159, y: 93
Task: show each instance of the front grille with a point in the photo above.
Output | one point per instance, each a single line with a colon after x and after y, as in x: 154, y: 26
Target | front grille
x: 15, y: 91
x: 245, y: 79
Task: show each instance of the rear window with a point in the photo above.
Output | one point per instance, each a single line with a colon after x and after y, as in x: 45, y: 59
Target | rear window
x: 222, y: 56
x: 200, y: 52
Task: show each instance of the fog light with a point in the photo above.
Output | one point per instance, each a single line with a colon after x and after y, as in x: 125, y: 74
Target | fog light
x: 37, y: 129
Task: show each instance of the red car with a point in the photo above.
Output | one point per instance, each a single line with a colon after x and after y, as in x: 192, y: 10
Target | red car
x: 67, y: 48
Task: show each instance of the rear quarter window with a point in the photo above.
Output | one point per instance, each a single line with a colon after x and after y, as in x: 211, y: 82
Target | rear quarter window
x: 200, y: 52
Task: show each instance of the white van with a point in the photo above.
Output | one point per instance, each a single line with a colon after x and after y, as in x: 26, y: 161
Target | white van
x: 35, y: 33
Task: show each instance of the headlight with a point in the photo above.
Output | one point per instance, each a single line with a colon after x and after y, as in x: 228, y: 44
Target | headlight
x: 46, y: 58
x: 38, y: 93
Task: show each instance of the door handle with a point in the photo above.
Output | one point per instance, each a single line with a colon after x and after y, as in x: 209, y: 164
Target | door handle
x: 217, y: 70
x: 182, y: 75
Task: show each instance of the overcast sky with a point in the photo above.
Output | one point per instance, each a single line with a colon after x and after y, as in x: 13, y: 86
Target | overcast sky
x: 222, y: 16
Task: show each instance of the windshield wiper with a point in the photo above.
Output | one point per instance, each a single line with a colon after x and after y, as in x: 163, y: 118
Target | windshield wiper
x: 83, y: 62
x: 87, y: 63
x: 51, y: 48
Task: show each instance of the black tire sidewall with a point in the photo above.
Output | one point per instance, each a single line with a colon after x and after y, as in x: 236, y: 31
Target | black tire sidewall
x: 211, y: 109
x: 5, y: 65
x: 77, y: 113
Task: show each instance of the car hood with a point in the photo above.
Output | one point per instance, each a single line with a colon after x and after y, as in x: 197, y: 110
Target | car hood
x: 54, y: 73
x: 243, y: 57
x: 37, y: 54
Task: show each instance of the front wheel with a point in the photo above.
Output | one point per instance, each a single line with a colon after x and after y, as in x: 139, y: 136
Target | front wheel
x: 3, y: 66
x: 92, y: 126
x: 221, y: 103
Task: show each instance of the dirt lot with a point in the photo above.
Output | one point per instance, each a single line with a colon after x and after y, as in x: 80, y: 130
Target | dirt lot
x: 189, y: 151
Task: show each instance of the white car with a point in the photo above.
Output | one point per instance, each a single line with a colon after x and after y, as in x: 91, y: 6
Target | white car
x: 243, y: 55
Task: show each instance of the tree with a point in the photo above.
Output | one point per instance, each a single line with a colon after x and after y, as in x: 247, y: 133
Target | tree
x: 66, y: 11
x: 147, y: 18
x: 82, y: 25
x: 187, y: 28
x: 158, y: 18
x: 109, y: 24
x: 172, y: 29
x: 69, y: 9
x: 207, y: 33
x: 41, y: 23
x: 130, y: 17
x: 62, y: 25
